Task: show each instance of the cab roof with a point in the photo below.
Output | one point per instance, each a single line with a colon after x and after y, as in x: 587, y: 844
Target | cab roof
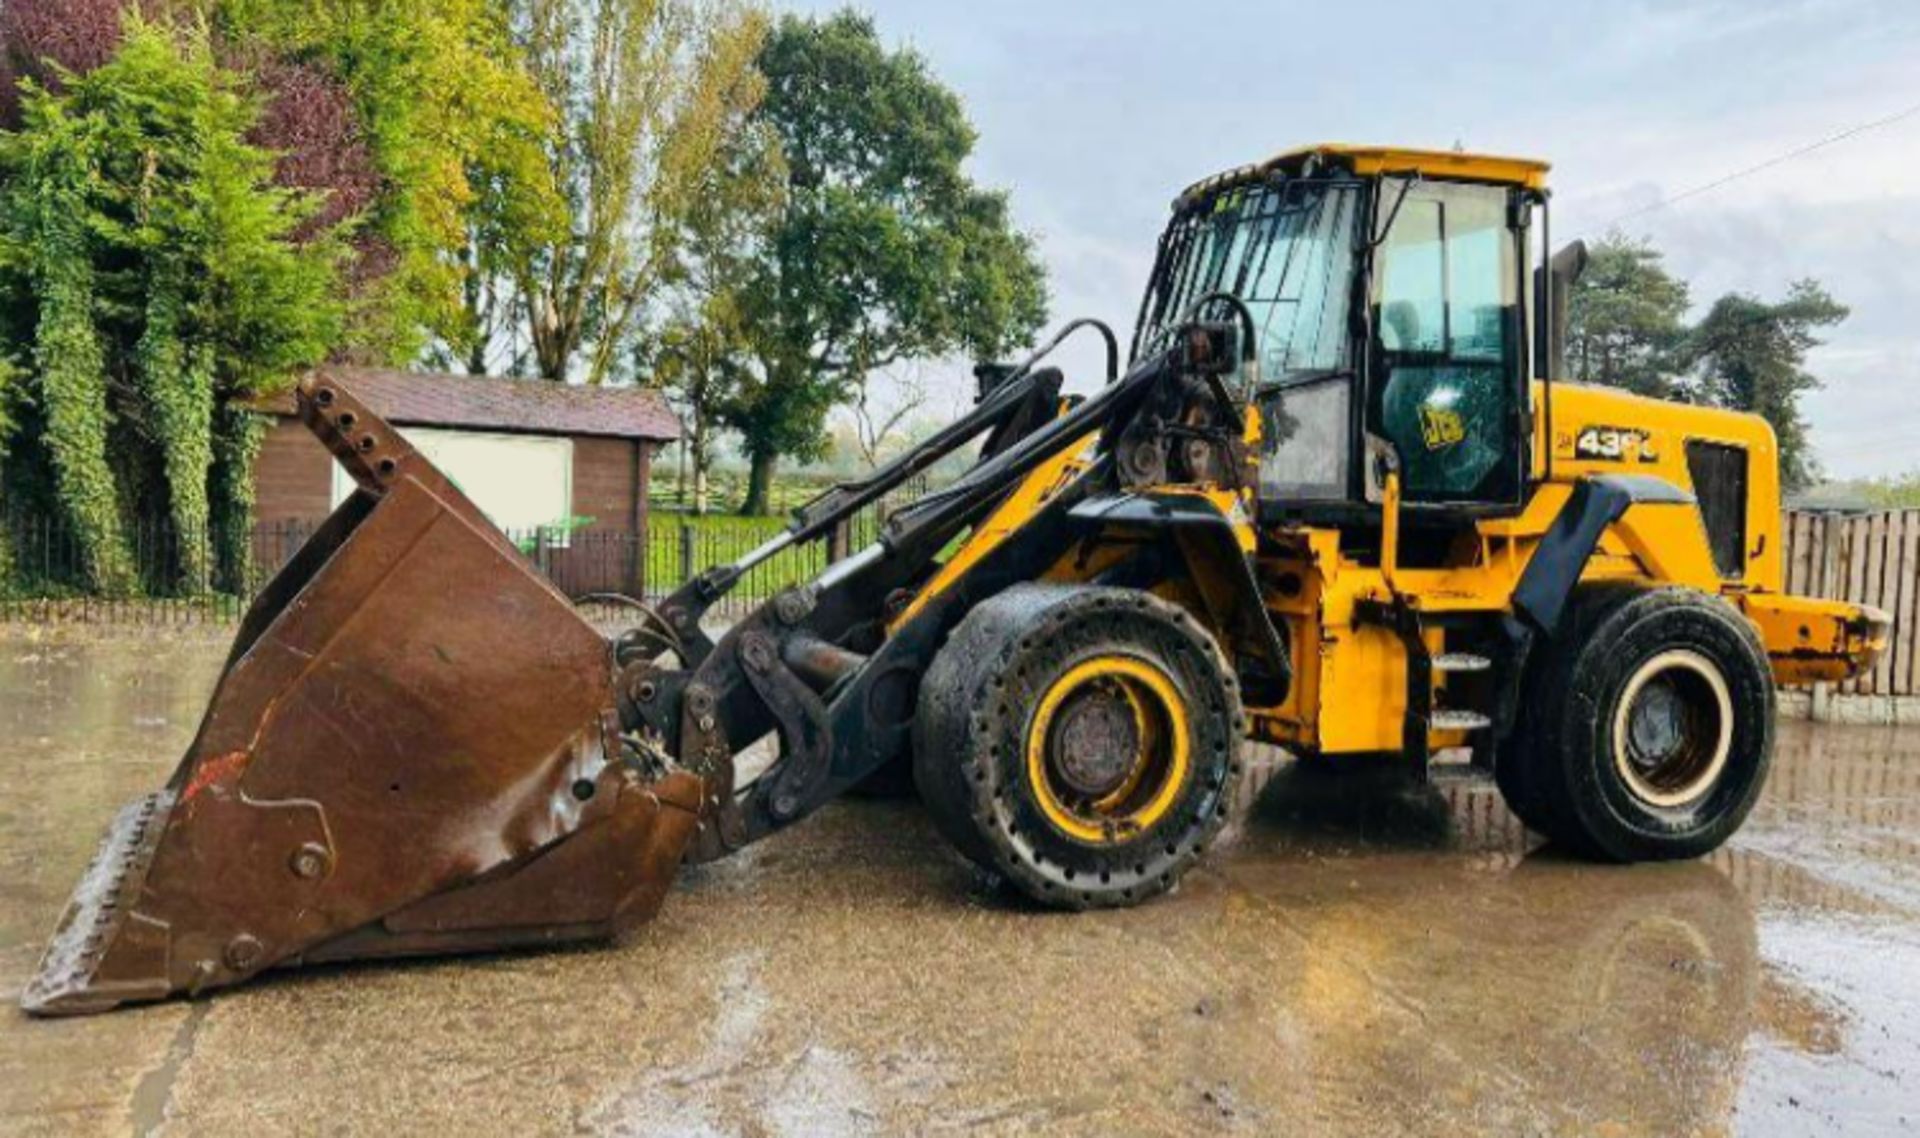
x: 1369, y: 161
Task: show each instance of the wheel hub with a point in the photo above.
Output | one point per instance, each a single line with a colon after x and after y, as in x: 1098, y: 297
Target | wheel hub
x: 1656, y: 727
x: 1097, y: 742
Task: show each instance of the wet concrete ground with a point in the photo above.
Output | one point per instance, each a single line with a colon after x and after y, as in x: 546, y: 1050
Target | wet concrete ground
x: 1362, y: 960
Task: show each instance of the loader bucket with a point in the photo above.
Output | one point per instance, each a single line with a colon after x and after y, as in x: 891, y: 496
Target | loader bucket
x: 414, y: 748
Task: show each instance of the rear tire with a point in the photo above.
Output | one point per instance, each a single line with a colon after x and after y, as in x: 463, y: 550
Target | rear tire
x: 1648, y: 728
x: 1084, y: 743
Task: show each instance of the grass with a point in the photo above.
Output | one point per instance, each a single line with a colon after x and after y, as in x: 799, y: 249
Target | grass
x: 727, y: 489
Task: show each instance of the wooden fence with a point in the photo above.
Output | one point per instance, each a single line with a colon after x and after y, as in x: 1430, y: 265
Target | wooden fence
x: 1870, y: 559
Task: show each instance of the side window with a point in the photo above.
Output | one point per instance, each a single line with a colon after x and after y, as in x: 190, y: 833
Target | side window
x: 1305, y: 427
x: 1413, y: 306
x: 1446, y: 382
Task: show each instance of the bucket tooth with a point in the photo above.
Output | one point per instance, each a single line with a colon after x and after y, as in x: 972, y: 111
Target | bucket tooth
x: 415, y: 747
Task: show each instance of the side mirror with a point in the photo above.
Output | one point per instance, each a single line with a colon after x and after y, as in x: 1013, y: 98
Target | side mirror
x: 1211, y: 347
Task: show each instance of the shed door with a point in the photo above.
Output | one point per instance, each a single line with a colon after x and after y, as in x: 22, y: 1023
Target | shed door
x: 521, y: 482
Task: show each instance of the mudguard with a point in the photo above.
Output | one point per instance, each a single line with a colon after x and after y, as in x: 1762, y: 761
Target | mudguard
x: 1557, y: 564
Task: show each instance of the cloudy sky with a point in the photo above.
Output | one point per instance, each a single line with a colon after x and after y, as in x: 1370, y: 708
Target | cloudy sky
x: 1096, y: 113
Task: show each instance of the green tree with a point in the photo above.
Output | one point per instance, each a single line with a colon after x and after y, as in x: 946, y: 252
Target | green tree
x: 696, y: 357
x: 883, y: 250
x: 166, y: 280
x: 9, y: 423
x: 700, y: 352
x: 651, y: 94
x: 1896, y: 492
x: 456, y: 126
x: 1751, y: 356
x: 1627, y: 318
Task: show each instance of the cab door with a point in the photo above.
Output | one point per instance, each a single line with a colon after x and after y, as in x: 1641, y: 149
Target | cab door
x: 1445, y: 386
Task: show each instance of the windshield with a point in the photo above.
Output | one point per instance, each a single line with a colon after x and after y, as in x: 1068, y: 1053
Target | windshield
x: 1286, y: 249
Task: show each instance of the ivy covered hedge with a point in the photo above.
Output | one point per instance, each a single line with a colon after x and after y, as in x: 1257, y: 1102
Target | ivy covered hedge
x: 153, y: 280
x: 200, y: 200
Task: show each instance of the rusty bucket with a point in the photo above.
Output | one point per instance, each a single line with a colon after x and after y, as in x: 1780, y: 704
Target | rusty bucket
x: 414, y: 748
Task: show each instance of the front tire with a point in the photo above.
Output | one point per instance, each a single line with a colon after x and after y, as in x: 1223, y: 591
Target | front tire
x: 1648, y: 731
x: 1084, y: 743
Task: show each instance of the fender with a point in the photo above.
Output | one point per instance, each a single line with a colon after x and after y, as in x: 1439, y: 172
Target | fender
x: 1596, y: 503
x: 1207, y: 540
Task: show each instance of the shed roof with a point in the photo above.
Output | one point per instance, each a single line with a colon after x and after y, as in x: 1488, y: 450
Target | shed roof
x: 526, y: 406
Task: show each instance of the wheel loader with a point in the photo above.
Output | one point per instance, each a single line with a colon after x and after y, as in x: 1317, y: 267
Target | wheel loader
x: 1335, y: 501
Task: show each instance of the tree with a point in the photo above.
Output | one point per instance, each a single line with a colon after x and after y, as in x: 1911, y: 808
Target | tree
x: 883, y: 250
x: 1896, y: 492
x: 48, y: 170
x: 650, y: 95
x: 696, y: 358
x: 1751, y: 356
x: 9, y: 423
x: 160, y: 277
x: 1627, y: 318
x: 455, y: 127
x: 45, y: 39
x: 877, y: 423
x: 700, y: 354
x: 307, y: 119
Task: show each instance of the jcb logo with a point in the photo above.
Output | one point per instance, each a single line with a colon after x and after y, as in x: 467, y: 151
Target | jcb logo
x: 1615, y: 444
x: 1440, y: 427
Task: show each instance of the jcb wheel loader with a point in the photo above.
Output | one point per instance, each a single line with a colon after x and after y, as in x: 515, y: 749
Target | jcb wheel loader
x: 1337, y: 503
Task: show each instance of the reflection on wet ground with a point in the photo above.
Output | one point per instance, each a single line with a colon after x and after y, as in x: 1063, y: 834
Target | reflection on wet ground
x: 1363, y: 958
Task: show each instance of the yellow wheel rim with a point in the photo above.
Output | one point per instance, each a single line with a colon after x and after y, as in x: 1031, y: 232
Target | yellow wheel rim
x: 1143, y: 773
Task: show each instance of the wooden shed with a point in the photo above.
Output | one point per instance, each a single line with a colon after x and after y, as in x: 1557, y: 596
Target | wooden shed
x: 562, y: 469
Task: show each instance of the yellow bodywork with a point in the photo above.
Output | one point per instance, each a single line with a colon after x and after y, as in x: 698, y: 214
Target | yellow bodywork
x: 1350, y: 688
x: 1349, y: 693
x: 1371, y: 161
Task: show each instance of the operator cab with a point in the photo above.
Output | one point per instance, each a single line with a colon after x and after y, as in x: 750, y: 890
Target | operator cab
x: 1388, y: 290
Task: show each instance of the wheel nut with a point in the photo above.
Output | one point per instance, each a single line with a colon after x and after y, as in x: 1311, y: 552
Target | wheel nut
x: 244, y: 953
x: 310, y: 862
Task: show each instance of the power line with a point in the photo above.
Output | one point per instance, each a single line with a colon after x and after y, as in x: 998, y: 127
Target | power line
x: 1777, y: 160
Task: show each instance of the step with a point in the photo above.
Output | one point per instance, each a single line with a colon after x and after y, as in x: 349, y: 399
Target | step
x: 1458, y: 720
x: 1454, y: 662
x: 1458, y: 774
